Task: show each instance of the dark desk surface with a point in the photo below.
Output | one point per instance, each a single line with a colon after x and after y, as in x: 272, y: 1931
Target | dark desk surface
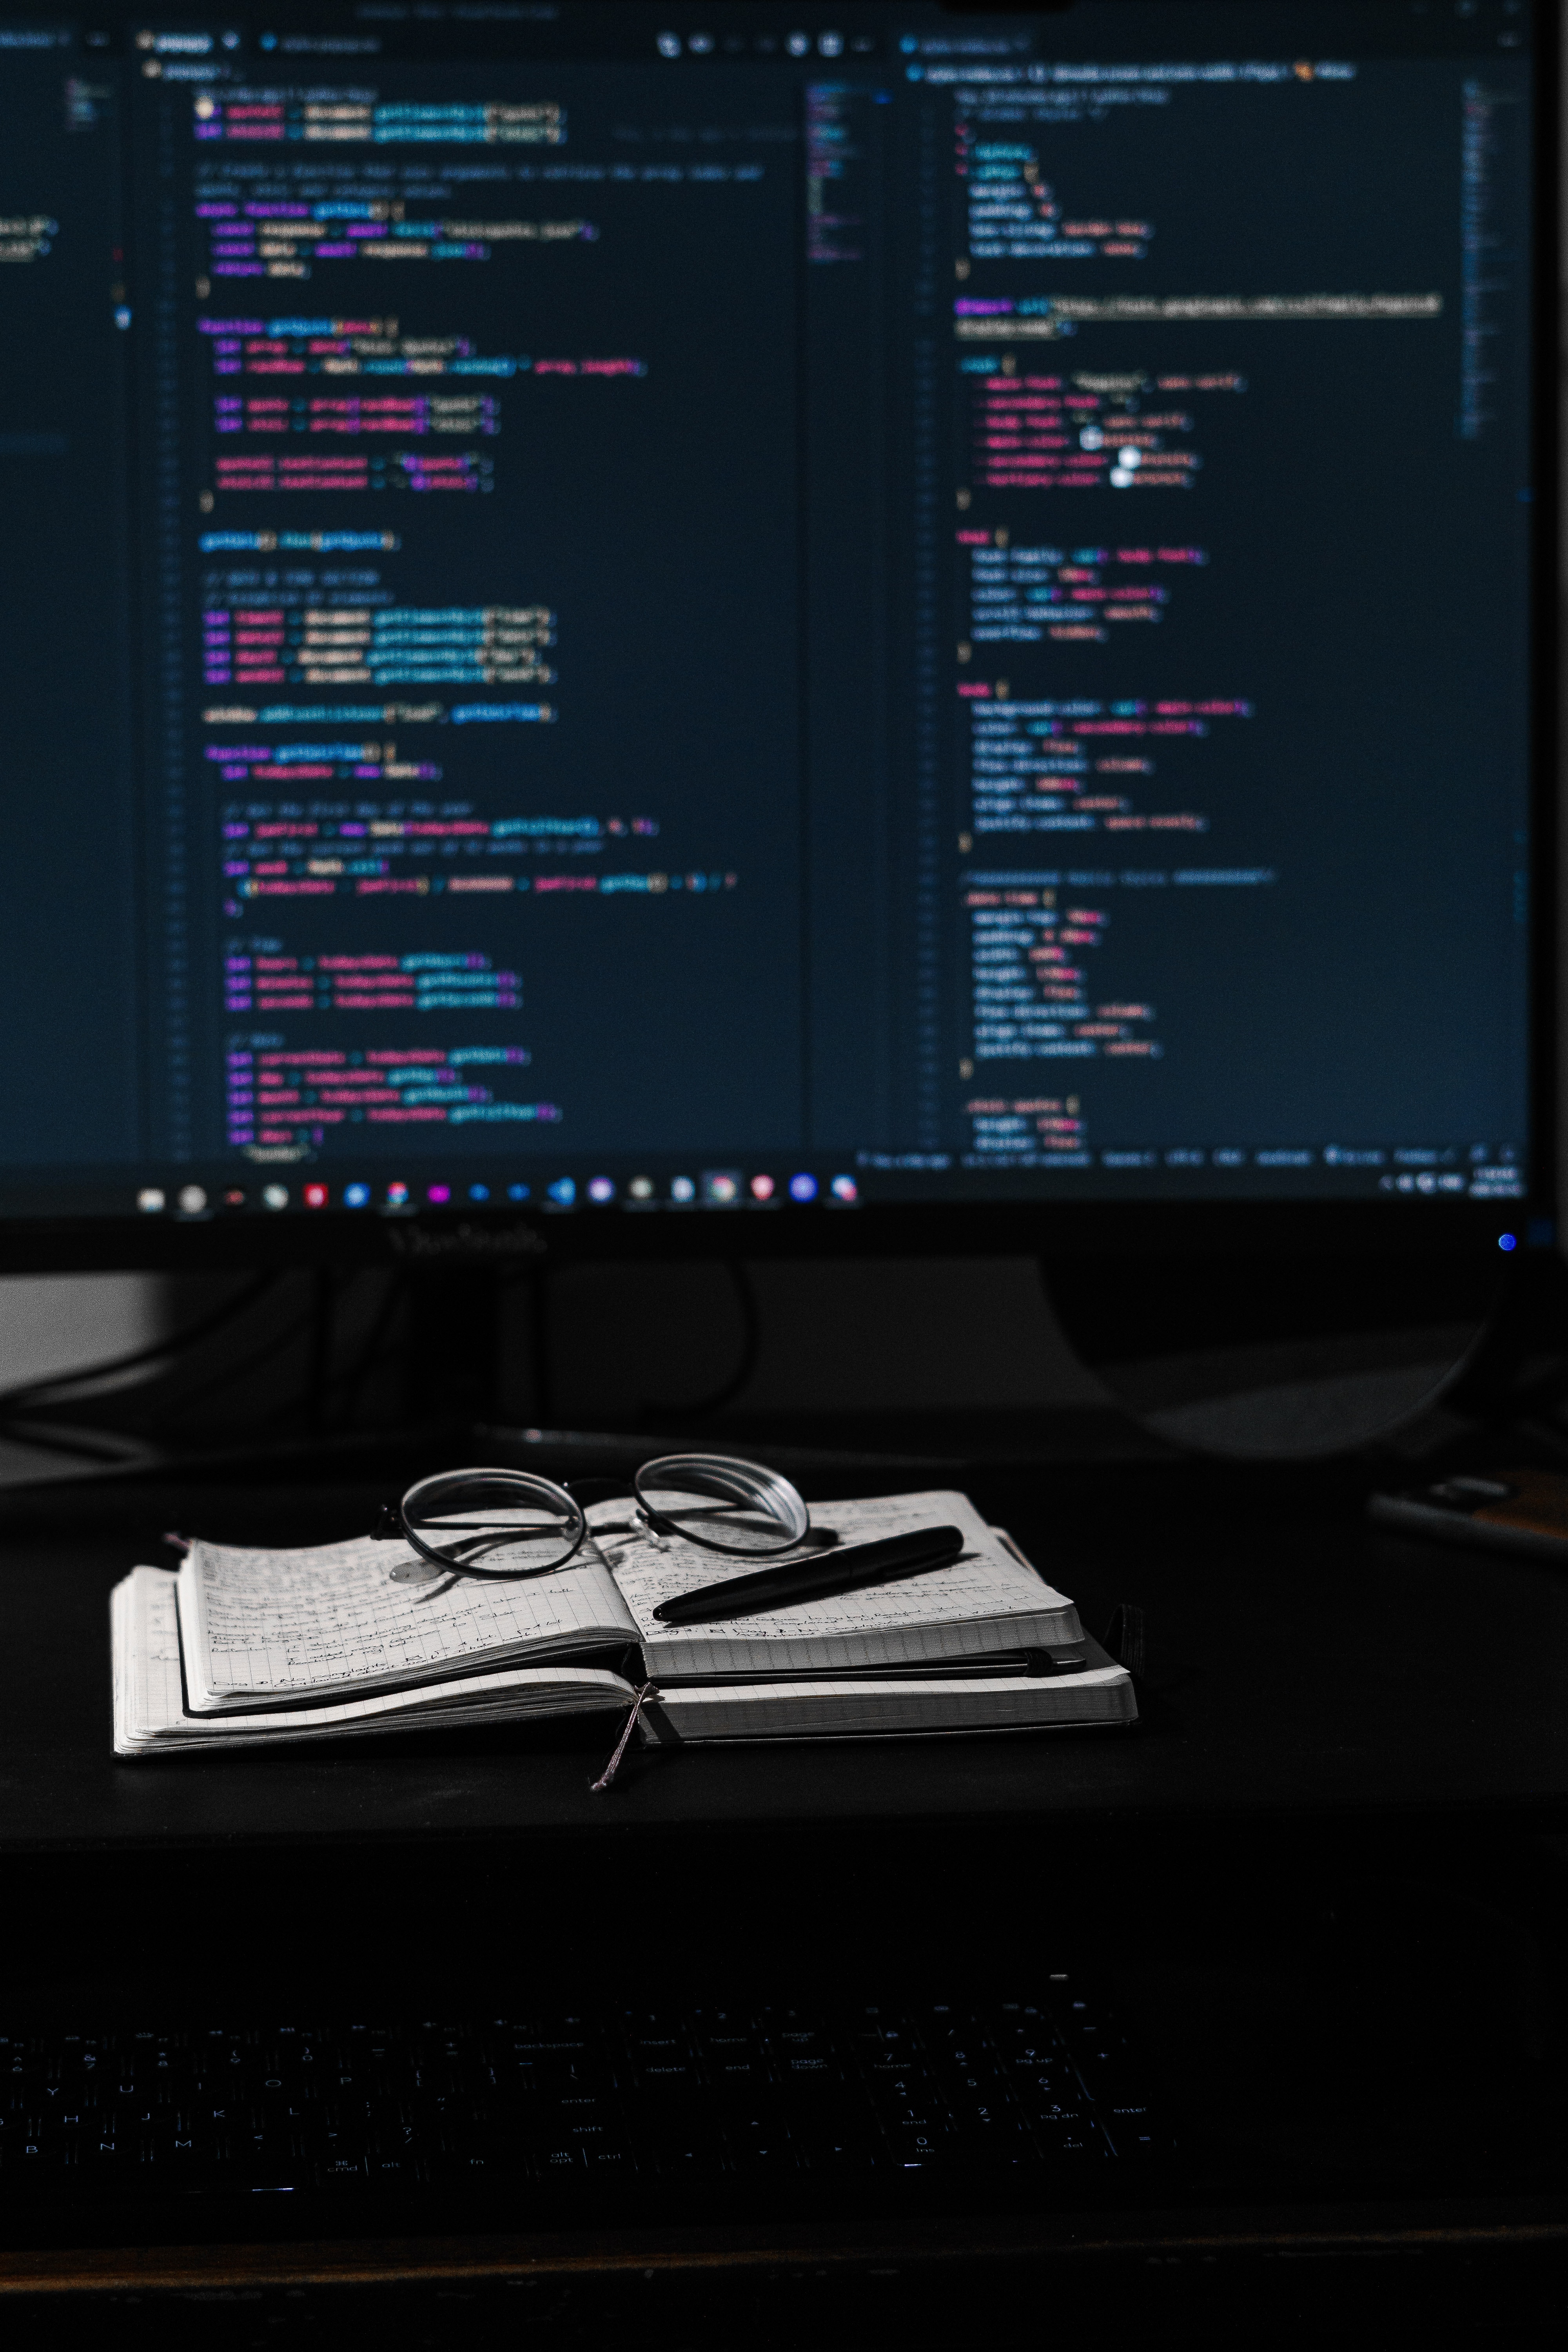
x: 1300, y: 1665
x: 1402, y: 1705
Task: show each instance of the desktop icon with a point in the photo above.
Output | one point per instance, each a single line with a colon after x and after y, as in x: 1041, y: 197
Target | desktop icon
x: 803, y: 1188
x: 517, y: 1191
x: 439, y: 1195
x: 193, y: 1200
x: 681, y: 1188
x: 275, y: 1196
x: 720, y: 1187
x: 150, y: 1200
x: 316, y: 1196
x: 479, y: 1191
x: 398, y: 1195
x: 641, y: 1188
x: 234, y: 1198
x: 601, y: 1188
x: 564, y: 1191
x: 845, y: 1189
x: 356, y: 1196
x: 762, y: 1188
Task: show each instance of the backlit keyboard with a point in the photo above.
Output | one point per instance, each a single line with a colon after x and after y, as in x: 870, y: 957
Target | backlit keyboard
x: 574, y: 2096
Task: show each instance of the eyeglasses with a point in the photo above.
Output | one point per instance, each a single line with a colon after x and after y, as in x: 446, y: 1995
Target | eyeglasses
x: 507, y: 1524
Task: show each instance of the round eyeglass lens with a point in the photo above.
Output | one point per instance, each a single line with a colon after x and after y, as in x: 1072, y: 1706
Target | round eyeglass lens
x: 490, y: 1523
x: 727, y: 1505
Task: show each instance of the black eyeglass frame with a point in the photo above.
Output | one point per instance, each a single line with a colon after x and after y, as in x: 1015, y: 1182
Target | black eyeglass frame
x: 394, y: 1524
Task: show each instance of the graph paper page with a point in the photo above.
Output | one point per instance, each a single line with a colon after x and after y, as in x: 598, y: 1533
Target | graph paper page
x: 147, y: 1693
x: 987, y: 1599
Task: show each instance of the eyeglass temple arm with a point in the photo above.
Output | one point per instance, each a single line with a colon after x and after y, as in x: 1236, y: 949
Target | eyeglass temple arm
x: 727, y: 1511
x: 624, y: 1490
x: 620, y: 1490
x: 389, y: 1528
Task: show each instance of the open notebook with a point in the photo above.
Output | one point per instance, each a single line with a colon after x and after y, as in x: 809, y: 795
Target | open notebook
x: 244, y: 1646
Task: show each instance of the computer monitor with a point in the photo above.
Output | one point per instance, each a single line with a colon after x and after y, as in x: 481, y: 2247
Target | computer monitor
x: 700, y: 626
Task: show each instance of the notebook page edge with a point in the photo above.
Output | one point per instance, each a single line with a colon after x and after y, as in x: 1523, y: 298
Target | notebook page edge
x: 590, y: 1690
x: 785, y: 1711
x: 694, y: 1653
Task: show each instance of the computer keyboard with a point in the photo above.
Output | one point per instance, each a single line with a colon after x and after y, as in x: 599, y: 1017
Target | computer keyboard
x: 575, y: 2097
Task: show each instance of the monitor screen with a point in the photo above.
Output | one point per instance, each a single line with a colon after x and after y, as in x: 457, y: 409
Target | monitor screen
x: 629, y: 611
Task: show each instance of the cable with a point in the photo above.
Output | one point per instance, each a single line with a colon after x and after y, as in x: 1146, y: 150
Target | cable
x: 259, y: 1356
x: 167, y: 1411
x: 109, y: 1446
x: 696, y: 1408
x: 330, y: 1398
x: 354, y: 1377
x: 539, y: 1351
x: 322, y: 1320
x: 50, y: 1390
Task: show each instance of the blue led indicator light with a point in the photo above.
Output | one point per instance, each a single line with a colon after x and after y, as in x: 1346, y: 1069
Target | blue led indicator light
x: 1508, y: 1240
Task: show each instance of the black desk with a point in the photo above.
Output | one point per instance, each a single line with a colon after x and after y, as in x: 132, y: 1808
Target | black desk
x: 1339, y: 1726
x: 1301, y: 1664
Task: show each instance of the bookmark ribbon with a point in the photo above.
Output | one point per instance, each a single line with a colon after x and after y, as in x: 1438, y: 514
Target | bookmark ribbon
x: 648, y: 1690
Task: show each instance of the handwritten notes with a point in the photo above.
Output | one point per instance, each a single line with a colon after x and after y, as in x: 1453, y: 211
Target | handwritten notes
x: 284, y: 1624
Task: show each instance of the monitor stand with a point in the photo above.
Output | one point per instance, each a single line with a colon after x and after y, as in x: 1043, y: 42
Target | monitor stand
x: 1291, y: 1356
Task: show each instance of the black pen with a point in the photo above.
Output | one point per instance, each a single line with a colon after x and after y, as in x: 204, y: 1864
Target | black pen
x: 815, y: 1579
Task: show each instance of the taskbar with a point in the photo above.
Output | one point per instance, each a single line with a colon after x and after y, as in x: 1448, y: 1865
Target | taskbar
x: 788, y: 1184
